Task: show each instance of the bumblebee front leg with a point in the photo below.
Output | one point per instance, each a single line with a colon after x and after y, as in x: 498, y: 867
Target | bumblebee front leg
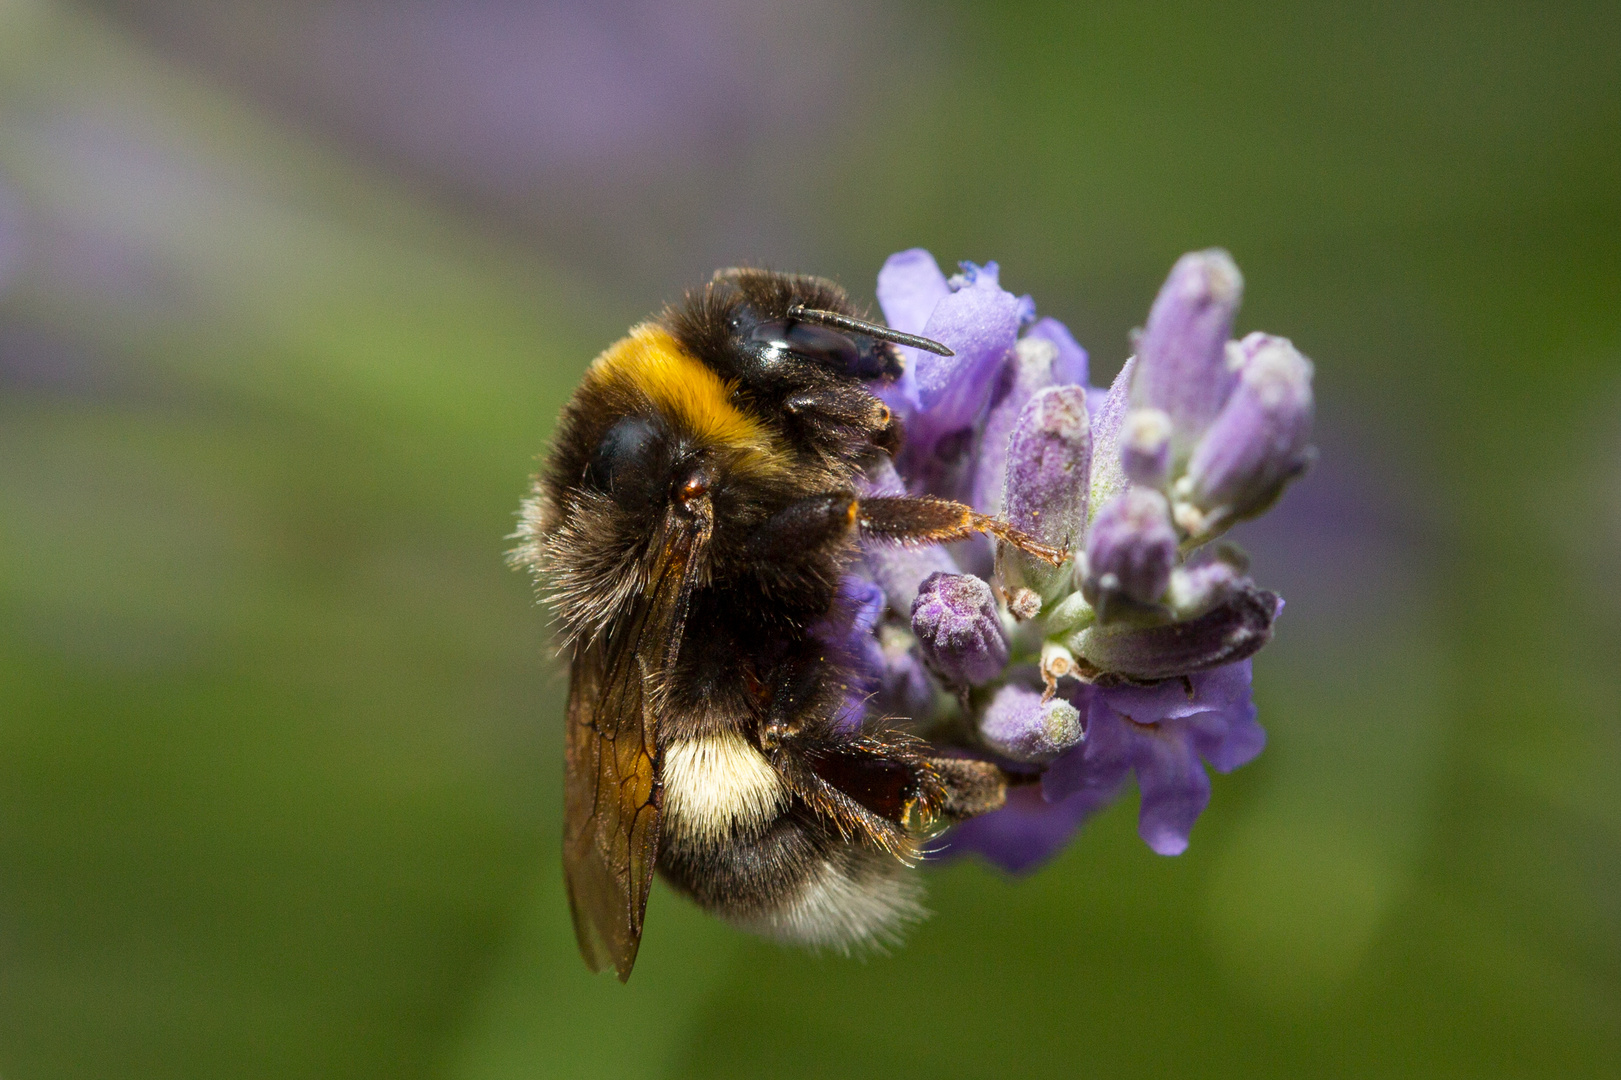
x: 923, y: 519
x: 802, y: 527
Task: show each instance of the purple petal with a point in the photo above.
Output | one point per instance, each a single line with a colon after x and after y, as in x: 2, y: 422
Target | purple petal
x: 865, y: 600
x: 1020, y: 726
x: 1070, y: 369
x: 1223, y: 687
x: 1222, y: 727
x: 1259, y: 441
x: 1098, y: 765
x: 900, y: 570
x: 1028, y: 370
x: 1218, y: 690
x: 1229, y: 738
x: 1027, y: 310
x: 1162, y: 732
x: 847, y: 632
x: 1175, y: 788
x: 969, y: 273
x: 1234, y: 631
x: 909, y: 287
x: 1182, y: 351
x: 958, y: 629
x: 1130, y: 551
x: 979, y: 323
x: 1023, y: 834
x: 1170, y: 699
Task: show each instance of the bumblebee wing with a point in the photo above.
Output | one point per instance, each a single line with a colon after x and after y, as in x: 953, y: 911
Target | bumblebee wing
x: 613, y: 794
x: 611, y: 807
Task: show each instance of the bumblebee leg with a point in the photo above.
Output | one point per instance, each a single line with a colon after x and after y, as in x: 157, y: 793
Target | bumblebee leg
x: 972, y: 787
x: 924, y: 519
x: 893, y: 775
x: 849, y: 406
x: 802, y: 527
x: 796, y: 690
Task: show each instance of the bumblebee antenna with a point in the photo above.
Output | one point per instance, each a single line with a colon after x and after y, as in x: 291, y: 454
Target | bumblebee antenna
x: 862, y: 326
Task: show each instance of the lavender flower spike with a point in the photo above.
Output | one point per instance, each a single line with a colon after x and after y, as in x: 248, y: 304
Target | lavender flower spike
x: 1022, y: 725
x: 1182, y: 351
x: 1147, y: 635
x: 958, y: 629
x: 1258, y: 443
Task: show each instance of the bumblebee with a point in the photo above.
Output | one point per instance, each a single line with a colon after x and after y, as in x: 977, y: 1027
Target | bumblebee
x: 690, y: 526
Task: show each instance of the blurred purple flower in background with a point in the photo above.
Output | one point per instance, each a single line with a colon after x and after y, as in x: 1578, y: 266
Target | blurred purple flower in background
x: 1133, y: 658
x: 11, y: 239
x: 642, y: 140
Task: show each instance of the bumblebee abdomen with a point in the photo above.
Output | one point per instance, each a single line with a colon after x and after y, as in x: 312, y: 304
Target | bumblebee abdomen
x: 743, y: 848
x: 718, y: 787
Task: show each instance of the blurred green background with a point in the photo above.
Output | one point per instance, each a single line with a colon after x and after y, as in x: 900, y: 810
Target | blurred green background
x: 291, y: 293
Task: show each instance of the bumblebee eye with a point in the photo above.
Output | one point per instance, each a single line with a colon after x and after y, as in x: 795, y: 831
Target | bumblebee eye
x: 695, y: 487
x: 622, y: 463
x: 818, y: 344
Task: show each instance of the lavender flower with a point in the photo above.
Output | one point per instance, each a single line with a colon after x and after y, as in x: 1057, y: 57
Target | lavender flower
x: 958, y: 629
x: 1130, y: 552
x: 1142, y: 642
x: 1161, y: 733
x: 1025, y: 725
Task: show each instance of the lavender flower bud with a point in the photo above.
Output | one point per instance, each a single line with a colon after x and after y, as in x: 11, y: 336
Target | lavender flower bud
x: 1145, y: 447
x: 1130, y: 551
x: 958, y: 630
x: 1234, y: 631
x: 1049, y: 459
x: 1029, y: 369
x: 1259, y: 441
x: 1182, y: 365
x: 1196, y: 589
x: 1019, y: 725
